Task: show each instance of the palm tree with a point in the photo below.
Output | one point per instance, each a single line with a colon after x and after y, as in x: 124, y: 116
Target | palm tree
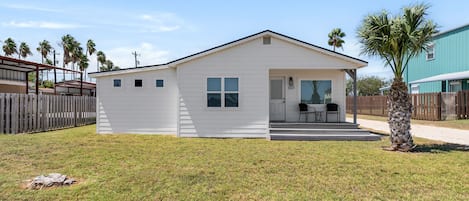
x: 67, y: 45
x: 101, y: 58
x: 83, y: 62
x: 90, y: 49
x: 396, y: 40
x: 44, y: 49
x: 24, y: 50
x: 76, y: 53
x: 335, y: 38
x: 9, y: 47
x: 108, y: 65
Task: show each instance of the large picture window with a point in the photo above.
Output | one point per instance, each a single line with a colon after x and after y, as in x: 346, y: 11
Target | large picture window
x: 316, y: 91
x: 222, y: 92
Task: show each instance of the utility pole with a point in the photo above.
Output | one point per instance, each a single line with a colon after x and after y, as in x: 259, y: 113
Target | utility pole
x: 55, y: 72
x: 135, y: 56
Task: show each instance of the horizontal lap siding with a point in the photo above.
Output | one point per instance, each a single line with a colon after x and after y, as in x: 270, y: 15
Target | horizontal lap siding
x: 146, y: 110
x: 451, y: 52
x: 250, y: 120
x: 250, y: 62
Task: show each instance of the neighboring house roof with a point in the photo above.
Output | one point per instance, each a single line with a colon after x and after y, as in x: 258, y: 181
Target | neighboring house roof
x: 441, y: 77
x: 359, y: 62
x: 451, y: 30
x: 20, y: 65
x: 76, y: 84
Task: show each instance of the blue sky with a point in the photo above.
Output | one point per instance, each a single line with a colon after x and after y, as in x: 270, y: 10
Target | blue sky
x: 165, y: 30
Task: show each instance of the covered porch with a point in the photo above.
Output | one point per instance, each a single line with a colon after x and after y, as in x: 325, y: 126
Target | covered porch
x: 317, y: 90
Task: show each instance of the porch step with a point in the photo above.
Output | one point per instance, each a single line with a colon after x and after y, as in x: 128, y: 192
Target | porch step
x: 317, y: 137
x: 320, y: 131
x: 317, y: 131
x: 342, y: 125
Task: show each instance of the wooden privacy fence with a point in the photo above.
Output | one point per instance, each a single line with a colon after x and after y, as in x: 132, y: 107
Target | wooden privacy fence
x: 462, y: 105
x: 22, y: 113
x: 426, y: 106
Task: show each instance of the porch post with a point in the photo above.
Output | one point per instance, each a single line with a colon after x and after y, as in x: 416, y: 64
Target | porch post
x: 354, y: 72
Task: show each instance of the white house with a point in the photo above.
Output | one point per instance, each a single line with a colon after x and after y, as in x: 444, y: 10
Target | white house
x: 232, y: 90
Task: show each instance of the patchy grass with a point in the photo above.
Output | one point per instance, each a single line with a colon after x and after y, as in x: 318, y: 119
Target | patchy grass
x: 145, y: 167
x: 459, y: 124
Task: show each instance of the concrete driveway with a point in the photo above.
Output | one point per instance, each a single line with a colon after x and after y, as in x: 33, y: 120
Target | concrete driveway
x: 449, y: 135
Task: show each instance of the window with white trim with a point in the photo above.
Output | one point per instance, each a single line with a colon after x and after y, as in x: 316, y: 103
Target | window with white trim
x: 430, y: 51
x: 159, y: 83
x: 316, y: 91
x: 222, y: 92
x: 117, y: 82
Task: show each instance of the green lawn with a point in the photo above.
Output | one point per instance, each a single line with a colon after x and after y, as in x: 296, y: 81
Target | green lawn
x: 150, y: 167
x: 459, y: 124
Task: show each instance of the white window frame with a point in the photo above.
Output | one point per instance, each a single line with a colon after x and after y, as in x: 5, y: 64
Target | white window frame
x: 164, y: 83
x: 414, y: 89
x: 312, y: 79
x: 120, y: 86
x: 432, y: 52
x: 222, y: 93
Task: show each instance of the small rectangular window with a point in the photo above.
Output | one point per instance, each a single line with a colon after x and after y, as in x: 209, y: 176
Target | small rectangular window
x: 117, y: 83
x: 266, y: 40
x: 431, y: 51
x: 138, y: 83
x: 159, y: 83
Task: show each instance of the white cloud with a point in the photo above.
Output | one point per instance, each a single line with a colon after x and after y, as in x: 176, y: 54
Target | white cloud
x: 41, y: 24
x: 31, y: 7
x: 146, y: 17
x: 148, y: 55
x: 161, y: 22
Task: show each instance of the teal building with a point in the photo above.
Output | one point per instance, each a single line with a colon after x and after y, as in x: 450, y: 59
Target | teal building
x: 444, y: 67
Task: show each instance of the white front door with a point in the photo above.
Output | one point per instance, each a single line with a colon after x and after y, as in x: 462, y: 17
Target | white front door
x: 277, y: 99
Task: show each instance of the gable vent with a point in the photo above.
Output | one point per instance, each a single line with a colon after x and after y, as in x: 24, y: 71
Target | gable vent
x: 266, y: 40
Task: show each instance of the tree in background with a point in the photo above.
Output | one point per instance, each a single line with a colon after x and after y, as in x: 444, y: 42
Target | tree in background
x: 90, y: 49
x: 396, y: 39
x: 335, y: 38
x: 367, y: 86
x: 67, y: 47
x: 24, y: 51
x: 9, y: 47
x: 109, y: 66
x: 101, y: 58
x: 83, y: 63
x: 44, y: 49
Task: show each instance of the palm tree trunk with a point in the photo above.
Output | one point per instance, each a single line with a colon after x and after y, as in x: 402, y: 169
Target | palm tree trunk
x: 400, y: 112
